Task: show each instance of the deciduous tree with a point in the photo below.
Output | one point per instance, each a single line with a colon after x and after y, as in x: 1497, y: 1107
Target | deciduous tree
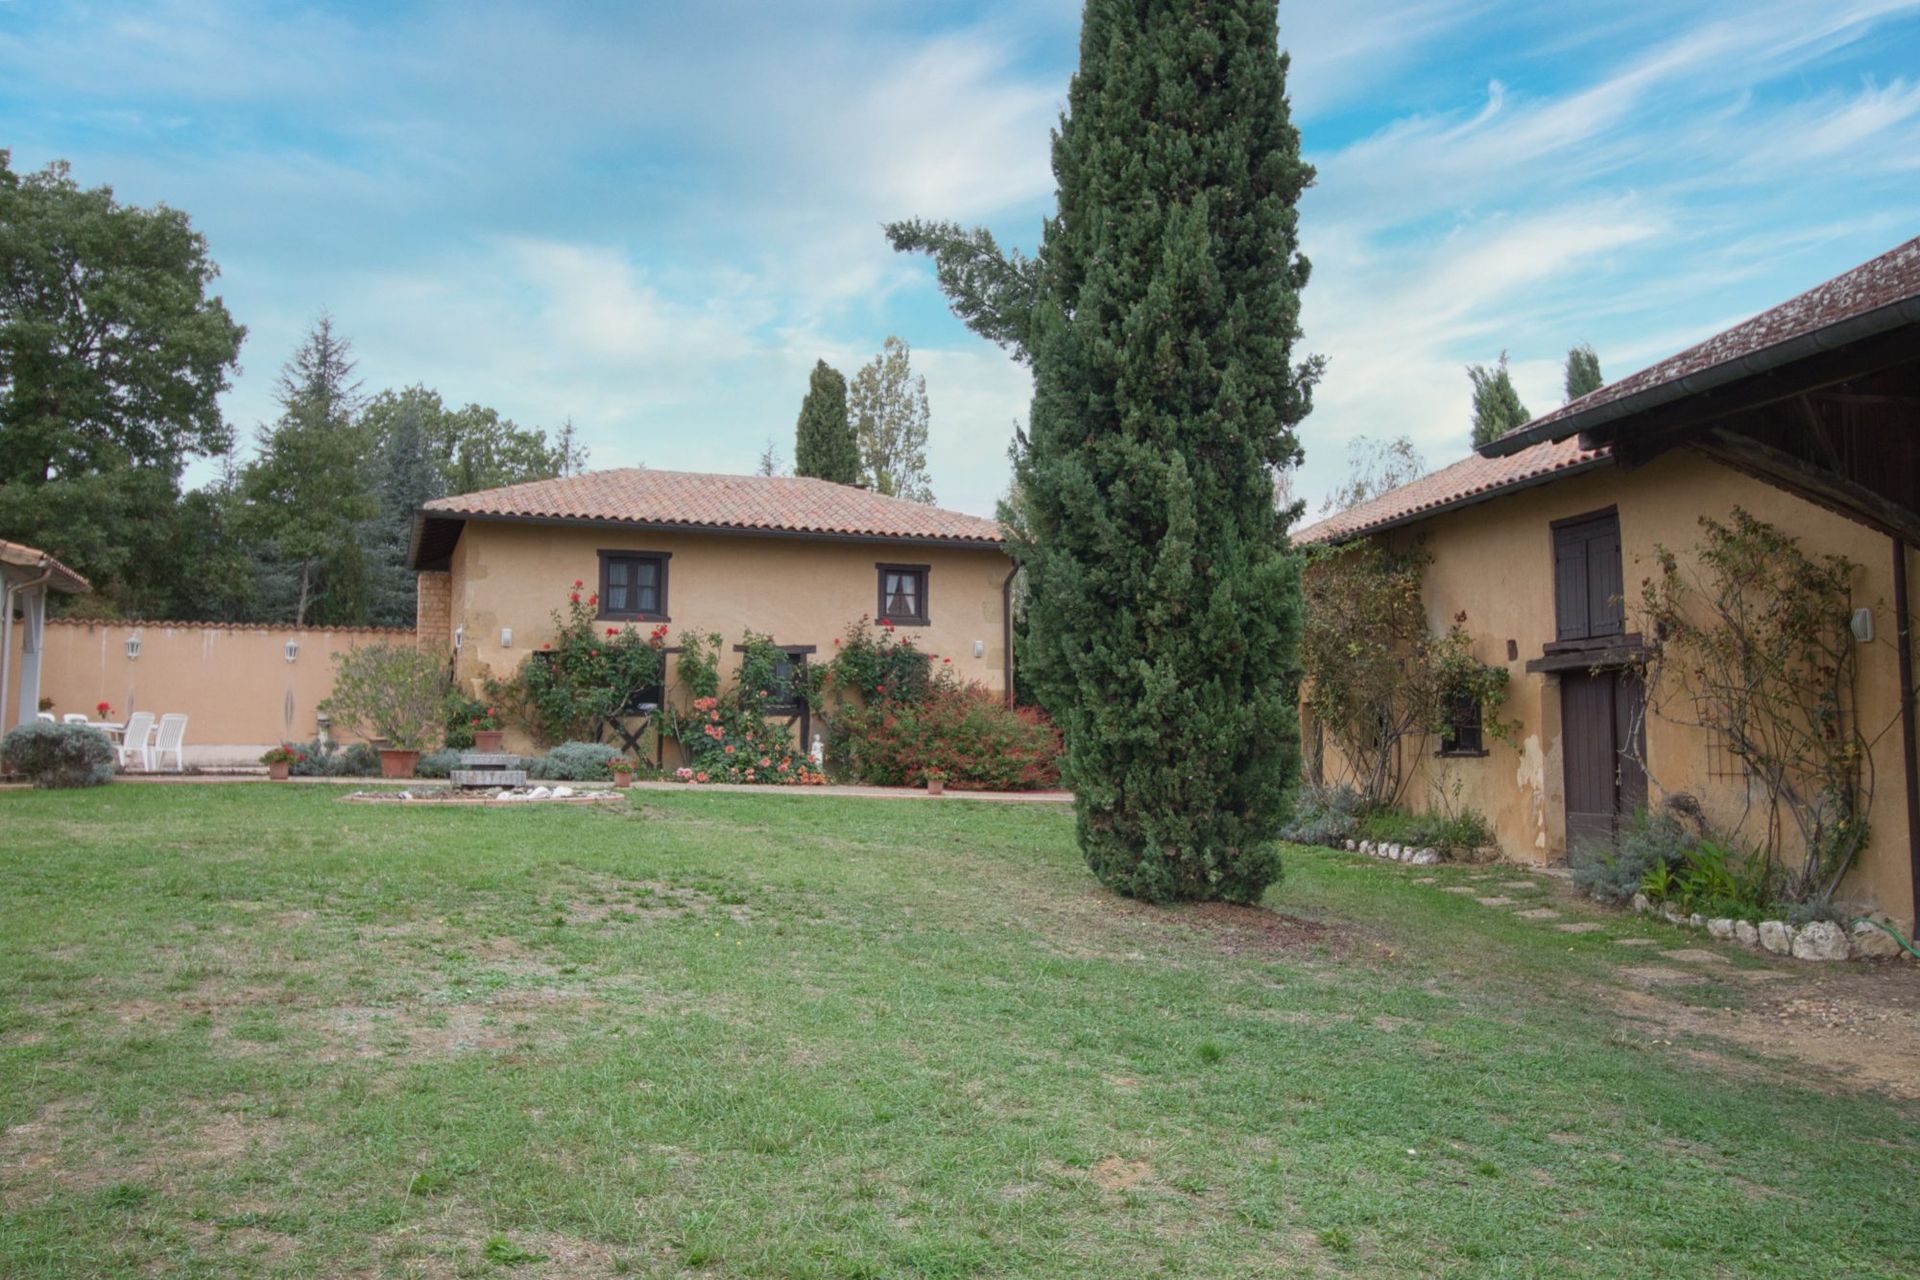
x: 888, y: 404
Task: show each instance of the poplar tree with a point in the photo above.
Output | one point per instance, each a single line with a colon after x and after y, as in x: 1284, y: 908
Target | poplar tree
x: 823, y: 442
x: 1583, y: 371
x: 1164, y: 615
x: 1496, y: 404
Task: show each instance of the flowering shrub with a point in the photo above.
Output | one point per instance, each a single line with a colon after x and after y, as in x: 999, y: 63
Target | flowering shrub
x: 286, y: 753
x: 962, y: 732
x: 589, y: 671
x: 872, y: 662
x: 726, y: 740
x: 103, y: 709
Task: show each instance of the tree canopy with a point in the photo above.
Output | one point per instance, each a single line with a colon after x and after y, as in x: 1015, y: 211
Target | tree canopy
x: 888, y: 404
x: 112, y: 360
x: 1583, y: 371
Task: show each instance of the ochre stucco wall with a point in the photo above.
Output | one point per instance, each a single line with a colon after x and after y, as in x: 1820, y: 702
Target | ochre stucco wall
x: 796, y: 590
x: 1495, y: 562
x: 234, y: 683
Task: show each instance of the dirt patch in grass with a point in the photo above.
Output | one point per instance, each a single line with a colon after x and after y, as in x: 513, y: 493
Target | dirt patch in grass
x: 1849, y: 1027
x: 62, y: 1146
x: 607, y: 898
x: 1234, y: 930
x: 1116, y: 1174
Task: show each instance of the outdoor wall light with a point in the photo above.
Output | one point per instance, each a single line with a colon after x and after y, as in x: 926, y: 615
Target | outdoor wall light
x: 979, y: 648
x: 133, y: 647
x: 293, y: 650
x: 459, y: 638
x: 1862, y: 625
x: 506, y: 637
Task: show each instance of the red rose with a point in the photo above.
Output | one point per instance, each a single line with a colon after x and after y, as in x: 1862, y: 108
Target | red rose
x: 613, y: 631
x: 574, y: 598
x: 593, y: 599
x: 577, y: 583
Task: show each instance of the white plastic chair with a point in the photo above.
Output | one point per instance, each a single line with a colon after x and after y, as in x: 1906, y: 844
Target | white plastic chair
x: 48, y: 717
x: 172, y: 737
x: 75, y: 717
x: 137, y: 744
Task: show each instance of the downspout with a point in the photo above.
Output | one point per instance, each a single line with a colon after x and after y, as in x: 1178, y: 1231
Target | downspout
x: 1903, y: 651
x: 1006, y: 637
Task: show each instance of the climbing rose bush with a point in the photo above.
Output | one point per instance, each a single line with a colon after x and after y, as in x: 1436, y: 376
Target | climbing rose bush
x: 727, y: 741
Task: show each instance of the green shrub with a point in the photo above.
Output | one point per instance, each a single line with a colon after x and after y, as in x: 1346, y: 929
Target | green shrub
x: 1652, y: 845
x: 574, y: 762
x: 1454, y: 833
x: 331, y: 760
x: 588, y: 672
x: 1324, y: 815
x: 59, y: 755
x: 391, y: 692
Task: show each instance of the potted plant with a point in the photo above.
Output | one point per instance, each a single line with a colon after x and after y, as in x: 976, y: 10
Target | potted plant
x: 936, y: 781
x: 281, y: 759
x: 488, y: 736
x: 395, y: 696
x: 621, y: 767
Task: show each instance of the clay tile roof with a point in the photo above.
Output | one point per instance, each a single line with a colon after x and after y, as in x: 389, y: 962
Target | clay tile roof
x: 37, y: 562
x: 1470, y: 480
x: 774, y: 504
x: 1873, y: 297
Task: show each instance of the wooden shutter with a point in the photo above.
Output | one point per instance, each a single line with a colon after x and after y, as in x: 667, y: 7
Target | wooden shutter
x: 1569, y: 584
x: 1587, y: 581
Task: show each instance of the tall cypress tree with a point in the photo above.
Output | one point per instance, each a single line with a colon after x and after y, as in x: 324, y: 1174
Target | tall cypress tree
x: 823, y: 443
x: 1165, y: 607
x: 1583, y: 371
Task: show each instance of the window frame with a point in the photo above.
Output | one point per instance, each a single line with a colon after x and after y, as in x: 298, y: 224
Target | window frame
x: 925, y: 572
x: 607, y: 557
x: 1465, y: 736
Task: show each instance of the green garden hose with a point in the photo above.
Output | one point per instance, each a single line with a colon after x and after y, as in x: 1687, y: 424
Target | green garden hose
x: 1892, y: 933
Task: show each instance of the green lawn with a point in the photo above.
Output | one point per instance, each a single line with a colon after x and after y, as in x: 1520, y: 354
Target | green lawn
x: 248, y: 1030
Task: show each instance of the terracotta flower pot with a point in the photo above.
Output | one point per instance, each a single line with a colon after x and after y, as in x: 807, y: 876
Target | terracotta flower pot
x: 280, y: 770
x: 622, y: 778
x: 395, y: 763
x: 489, y: 741
x: 936, y: 786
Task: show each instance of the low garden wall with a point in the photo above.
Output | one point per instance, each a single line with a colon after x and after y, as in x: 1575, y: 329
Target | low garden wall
x: 241, y: 686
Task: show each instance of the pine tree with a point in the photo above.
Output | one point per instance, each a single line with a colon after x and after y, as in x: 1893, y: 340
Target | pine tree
x: 1583, y: 371
x: 1165, y: 609
x: 823, y: 442
x: 408, y: 477
x: 888, y: 405
x: 1496, y: 405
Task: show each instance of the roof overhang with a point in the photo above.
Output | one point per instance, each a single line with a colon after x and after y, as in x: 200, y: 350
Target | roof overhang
x: 20, y: 564
x: 435, y: 533
x: 1599, y: 424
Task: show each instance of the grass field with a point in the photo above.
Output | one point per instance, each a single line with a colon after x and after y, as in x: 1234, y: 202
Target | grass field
x: 250, y: 1030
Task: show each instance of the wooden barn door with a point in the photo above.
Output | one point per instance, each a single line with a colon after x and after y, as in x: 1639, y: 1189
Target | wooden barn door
x: 1601, y: 744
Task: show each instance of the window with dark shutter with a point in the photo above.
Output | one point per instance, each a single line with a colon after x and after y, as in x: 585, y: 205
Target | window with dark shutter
x: 903, y: 594
x: 1587, y: 583
x: 633, y: 585
x: 1463, y: 734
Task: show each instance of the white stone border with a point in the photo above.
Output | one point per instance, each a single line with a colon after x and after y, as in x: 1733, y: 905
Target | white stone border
x: 1820, y: 940
x: 1394, y: 852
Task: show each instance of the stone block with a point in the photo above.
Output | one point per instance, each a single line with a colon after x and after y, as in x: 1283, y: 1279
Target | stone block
x: 1641, y: 902
x: 1869, y: 942
x: 1821, y: 940
x: 1424, y: 858
x: 1721, y: 928
x: 1746, y: 933
x: 1776, y: 937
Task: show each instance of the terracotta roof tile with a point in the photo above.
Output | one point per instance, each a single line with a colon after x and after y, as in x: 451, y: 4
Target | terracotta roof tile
x: 1891, y: 278
x: 1472, y: 479
x: 778, y: 504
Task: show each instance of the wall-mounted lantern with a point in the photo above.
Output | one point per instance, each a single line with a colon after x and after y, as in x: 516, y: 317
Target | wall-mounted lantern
x: 293, y: 650
x: 506, y: 637
x: 1862, y: 625
x: 133, y: 647
x: 979, y: 648
x: 459, y: 638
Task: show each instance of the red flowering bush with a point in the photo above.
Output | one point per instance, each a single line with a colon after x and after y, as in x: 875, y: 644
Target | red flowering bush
x: 961, y: 730
x: 725, y: 740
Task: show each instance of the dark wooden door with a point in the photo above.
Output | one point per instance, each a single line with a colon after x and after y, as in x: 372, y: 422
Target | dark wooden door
x: 1601, y: 735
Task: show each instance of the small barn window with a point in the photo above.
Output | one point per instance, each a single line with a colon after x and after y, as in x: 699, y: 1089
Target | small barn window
x: 1463, y: 735
x: 633, y: 586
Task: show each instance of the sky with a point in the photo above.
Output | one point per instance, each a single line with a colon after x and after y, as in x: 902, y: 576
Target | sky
x: 652, y: 218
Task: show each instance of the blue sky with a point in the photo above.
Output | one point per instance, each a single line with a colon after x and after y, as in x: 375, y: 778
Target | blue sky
x: 653, y: 218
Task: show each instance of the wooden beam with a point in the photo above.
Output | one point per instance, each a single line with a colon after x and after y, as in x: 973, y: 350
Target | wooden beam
x: 1816, y: 484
